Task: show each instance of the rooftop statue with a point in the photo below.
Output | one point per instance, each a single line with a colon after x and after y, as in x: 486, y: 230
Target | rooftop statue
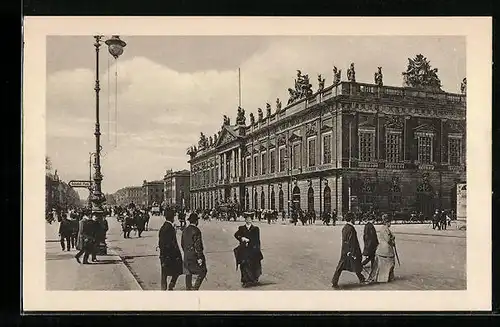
x: 210, y: 141
x: 336, y: 75
x: 351, y: 74
x: 463, y: 86
x: 240, y: 116
x: 268, y: 110
x: 203, y: 142
x: 419, y: 74
x: 321, y: 83
x: 303, y: 88
x: 215, y: 138
x: 252, y: 119
x: 278, y: 105
x: 378, y: 77
x: 260, y: 115
x: 226, y: 120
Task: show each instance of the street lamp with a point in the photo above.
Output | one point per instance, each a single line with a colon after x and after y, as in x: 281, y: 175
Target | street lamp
x: 115, y: 46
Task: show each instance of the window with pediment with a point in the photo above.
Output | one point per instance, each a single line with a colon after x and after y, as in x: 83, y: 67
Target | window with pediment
x: 393, y: 145
x: 263, y: 163
x: 425, y: 147
x: 255, y: 165
x: 282, y: 158
x: 366, y: 145
x: 296, y: 156
x: 311, y: 152
x: 327, y: 148
x: 455, y: 150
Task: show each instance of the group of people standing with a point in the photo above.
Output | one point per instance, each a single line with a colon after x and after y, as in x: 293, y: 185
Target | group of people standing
x: 248, y: 253
x: 380, y: 252
x: 134, y: 219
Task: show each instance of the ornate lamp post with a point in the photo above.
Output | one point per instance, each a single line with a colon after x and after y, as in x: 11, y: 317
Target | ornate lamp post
x: 115, y: 46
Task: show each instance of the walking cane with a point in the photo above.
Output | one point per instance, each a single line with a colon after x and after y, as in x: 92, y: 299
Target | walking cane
x: 397, y: 256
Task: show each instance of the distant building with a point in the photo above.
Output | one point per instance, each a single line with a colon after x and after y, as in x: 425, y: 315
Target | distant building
x: 153, y: 192
x: 130, y: 194
x: 176, y: 188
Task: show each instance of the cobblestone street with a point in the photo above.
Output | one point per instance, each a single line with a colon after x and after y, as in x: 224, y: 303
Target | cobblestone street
x: 303, y: 257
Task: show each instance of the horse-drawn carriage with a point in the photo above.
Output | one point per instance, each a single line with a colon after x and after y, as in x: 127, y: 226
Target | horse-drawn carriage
x: 227, y: 211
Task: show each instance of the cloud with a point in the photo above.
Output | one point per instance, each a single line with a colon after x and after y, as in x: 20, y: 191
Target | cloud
x: 161, y: 111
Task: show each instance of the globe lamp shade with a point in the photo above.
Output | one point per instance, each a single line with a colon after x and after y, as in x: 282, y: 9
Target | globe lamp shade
x: 115, y: 46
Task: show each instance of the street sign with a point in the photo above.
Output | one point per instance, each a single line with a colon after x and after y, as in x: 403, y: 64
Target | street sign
x: 84, y: 184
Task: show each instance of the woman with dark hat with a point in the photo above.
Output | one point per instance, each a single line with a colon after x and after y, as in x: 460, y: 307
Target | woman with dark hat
x: 248, y: 254
x: 383, y: 265
x: 194, y: 259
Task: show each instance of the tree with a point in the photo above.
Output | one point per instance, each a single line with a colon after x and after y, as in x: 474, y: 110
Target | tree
x: 420, y: 74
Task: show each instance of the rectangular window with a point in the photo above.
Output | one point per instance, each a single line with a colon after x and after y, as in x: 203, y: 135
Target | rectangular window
x: 425, y: 149
x: 273, y: 161
x: 263, y: 163
x: 327, y: 149
x: 366, y: 146
x: 282, y: 153
x: 311, y: 152
x: 393, y: 147
x: 296, y: 156
x: 455, y: 151
x: 255, y: 166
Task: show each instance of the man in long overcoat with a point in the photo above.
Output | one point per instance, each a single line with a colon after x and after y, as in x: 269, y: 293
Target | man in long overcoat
x: 248, y: 254
x: 86, y: 239
x: 194, y: 259
x: 65, y: 233
x: 350, y: 256
x: 371, y: 242
x: 170, y: 254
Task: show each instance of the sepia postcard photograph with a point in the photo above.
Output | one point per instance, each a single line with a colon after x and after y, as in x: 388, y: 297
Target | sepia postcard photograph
x: 281, y: 164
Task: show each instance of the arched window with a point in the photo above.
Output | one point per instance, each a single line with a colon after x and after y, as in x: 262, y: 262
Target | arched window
x: 255, y: 204
x: 281, y: 202
x: 296, y: 198
x: 310, y: 199
x: 327, y: 199
x: 273, y: 200
x: 247, y: 201
x: 262, y: 200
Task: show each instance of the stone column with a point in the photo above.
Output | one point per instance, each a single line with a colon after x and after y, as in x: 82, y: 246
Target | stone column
x: 240, y: 167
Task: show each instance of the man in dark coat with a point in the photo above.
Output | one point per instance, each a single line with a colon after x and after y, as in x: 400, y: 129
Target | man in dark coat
x: 140, y: 221
x: 194, y: 259
x: 371, y: 242
x: 65, y: 232
x: 182, y: 218
x: 248, y: 254
x: 350, y: 256
x: 170, y: 254
x: 127, y: 224
x: 86, y: 240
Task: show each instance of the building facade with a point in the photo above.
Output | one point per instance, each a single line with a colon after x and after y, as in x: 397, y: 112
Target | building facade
x: 350, y: 146
x: 131, y: 194
x: 153, y: 192
x: 176, y: 188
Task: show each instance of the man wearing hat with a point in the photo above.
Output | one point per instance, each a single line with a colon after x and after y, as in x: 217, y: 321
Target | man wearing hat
x: 350, y: 256
x: 194, y: 259
x: 170, y: 254
x: 248, y: 254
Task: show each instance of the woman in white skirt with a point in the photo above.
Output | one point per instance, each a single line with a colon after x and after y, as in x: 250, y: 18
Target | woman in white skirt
x: 383, y: 266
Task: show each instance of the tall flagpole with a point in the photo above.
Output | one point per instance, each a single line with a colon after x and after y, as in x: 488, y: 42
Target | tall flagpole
x: 239, y: 87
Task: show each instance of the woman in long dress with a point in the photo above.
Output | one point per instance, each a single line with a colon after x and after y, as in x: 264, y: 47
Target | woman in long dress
x: 383, y: 266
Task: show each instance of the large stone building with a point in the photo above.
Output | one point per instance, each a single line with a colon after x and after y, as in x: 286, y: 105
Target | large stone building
x: 348, y: 146
x: 153, y: 192
x: 131, y: 194
x: 176, y: 188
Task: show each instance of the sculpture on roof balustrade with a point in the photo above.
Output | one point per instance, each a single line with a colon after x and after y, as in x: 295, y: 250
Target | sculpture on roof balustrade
x: 210, y: 141
x: 260, y: 115
x: 191, y: 151
x: 215, y: 138
x: 240, y: 116
x: 379, y: 77
x: 463, y: 86
x: 321, y: 83
x: 351, y: 74
x: 268, y: 110
x: 252, y: 119
x: 303, y: 89
x: 419, y: 74
x: 337, y: 74
x: 226, y: 120
x: 278, y: 105
x: 203, y: 142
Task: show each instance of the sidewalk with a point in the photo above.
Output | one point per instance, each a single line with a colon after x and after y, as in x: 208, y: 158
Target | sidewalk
x: 64, y: 273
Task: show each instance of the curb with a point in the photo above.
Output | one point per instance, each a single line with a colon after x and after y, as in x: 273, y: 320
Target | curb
x: 128, y: 275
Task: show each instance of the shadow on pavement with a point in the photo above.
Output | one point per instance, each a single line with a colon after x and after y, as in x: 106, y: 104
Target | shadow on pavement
x: 129, y: 257
x: 107, y: 262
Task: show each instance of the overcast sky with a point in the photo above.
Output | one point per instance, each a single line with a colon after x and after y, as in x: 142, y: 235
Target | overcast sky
x: 172, y: 88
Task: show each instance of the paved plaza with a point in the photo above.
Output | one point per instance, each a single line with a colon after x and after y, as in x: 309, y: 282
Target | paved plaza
x: 295, y: 258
